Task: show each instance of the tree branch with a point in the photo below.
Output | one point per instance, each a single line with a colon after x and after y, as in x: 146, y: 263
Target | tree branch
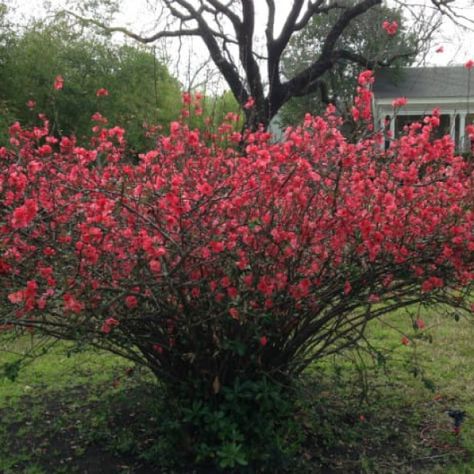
x: 326, y: 59
x: 225, y: 10
x: 269, y: 31
x: 312, y: 9
x: 342, y: 23
x: 136, y: 36
x: 365, y: 62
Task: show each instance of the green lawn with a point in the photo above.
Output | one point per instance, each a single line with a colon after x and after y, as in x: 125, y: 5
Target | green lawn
x: 404, y: 401
x: 85, y: 411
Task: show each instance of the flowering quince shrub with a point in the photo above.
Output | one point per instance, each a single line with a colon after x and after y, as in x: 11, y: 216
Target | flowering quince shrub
x: 216, y: 264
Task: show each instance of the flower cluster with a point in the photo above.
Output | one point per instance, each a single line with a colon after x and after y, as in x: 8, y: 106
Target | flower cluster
x: 399, y: 102
x: 391, y: 27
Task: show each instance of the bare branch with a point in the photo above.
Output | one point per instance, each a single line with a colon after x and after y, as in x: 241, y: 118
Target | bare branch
x: 312, y: 9
x: 288, y: 27
x: 224, y: 9
x: 342, y: 23
x: 142, y: 39
x: 269, y: 31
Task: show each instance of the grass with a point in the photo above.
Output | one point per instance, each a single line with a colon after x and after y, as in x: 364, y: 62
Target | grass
x: 61, y: 368
x: 85, y: 411
x: 403, y: 396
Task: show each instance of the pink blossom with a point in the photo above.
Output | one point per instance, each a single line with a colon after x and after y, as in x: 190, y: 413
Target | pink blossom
x: 24, y: 215
x: 131, y: 301
x: 58, y: 82
x: 102, y: 92
x: 108, y: 325
x: 420, y: 324
x: 390, y: 27
x: 16, y: 297
x: 157, y: 348
x: 399, y: 102
x: 250, y: 103
x: 72, y: 304
x: 366, y: 77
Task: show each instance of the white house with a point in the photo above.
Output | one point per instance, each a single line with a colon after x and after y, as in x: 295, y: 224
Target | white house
x: 451, y: 89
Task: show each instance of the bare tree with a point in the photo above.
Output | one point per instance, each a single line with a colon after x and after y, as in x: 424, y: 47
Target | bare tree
x: 229, y: 30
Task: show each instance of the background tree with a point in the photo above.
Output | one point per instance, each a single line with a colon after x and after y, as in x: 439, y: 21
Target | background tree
x: 338, y: 85
x: 140, y: 89
x: 231, y: 33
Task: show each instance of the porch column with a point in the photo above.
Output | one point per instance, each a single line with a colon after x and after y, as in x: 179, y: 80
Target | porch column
x: 393, y: 118
x: 381, y: 122
x: 452, y: 126
x: 462, y: 131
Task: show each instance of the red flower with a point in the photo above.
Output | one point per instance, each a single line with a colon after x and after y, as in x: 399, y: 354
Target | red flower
x: 263, y: 341
x: 72, y: 304
x: 109, y: 323
x: 469, y: 64
x: 131, y: 302
x: 355, y: 114
x: 97, y: 117
x: 366, y: 77
x: 31, y: 104
x: 373, y: 298
x: 16, y: 297
x: 399, y: 102
x: 155, y: 266
x: 250, y: 103
x: 23, y: 215
x: 217, y: 247
x: 431, y: 284
x: 405, y: 341
x: 102, y: 92
x: 439, y: 49
x: 390, y: 27
x: 420, y: 324
x: 58, y: 82
x: 186, y: 98
x: 205, y: 189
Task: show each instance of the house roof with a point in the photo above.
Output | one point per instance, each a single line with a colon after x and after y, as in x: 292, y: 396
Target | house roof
x: 424, y: 82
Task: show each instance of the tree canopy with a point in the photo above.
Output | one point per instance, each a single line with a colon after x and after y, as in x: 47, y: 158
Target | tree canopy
x: 365, y: 35
x: 124, y: 83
